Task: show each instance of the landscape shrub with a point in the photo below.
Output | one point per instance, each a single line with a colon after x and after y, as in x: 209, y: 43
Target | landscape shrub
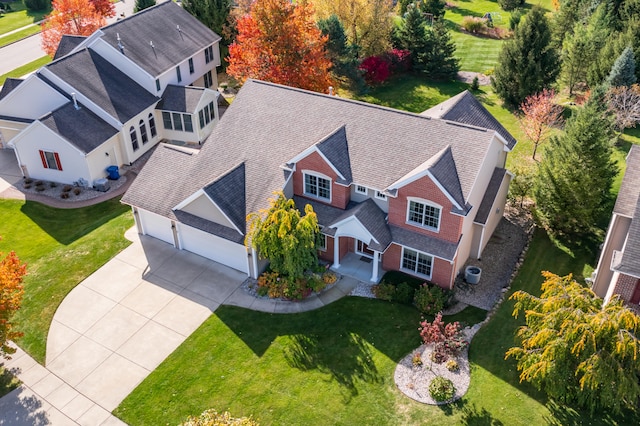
x: 53, y: 184
x: 384, y: 291
x: 447, y: 339
x: 77, y: 191
x: 416, y: 360
x: 40, y: 188
x: 39, y: 183
x: 67, y: 188
x: 376, y: 69
x: 441, y: 389
x: 475, y: 84
x: 510, y: 4
x: 473, y: 24
x: 515, y: 18
x: 430, y: 299
x: 274, y: 285
x: 452, y: 365
x: 403, y: 294
x: 213, y: 418
x: 64, y: 195
x: 329, y: 277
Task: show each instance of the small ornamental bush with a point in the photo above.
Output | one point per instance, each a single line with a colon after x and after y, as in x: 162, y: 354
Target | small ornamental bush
x: 384, y: 291
x: 28, y: 181
x: 213, y: 418
x: 441, y: 389
x: 40, y: 188
x: 510, y: 4
x: 416, y: 360
x: 77, y: 191
x: 403, y: 294
x: 452, y: 365
x: 376, y: 69
x: 67, y: 188
x: 27, y: 186
x: 329, y: 277
x: 430, y: 299
x: 64, y: 195
x: 399, y: 60
x: 438, y: 355
x: 475, y: 84
x: 447, y: 339
x: 473, y: 24
x: 39, y: 183
x: 53, y: 184
x: 316, y: 282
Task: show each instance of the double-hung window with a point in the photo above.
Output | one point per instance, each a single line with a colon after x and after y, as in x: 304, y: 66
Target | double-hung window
x: 143, y: 132
x: 50, y: 160
x: 191, y: 68
x: 178, y: 74
x: 416, y: 262
x: 317, y: 186
x: 134, y: 138
x: 152, y: 126
x: 208, y: 54
x: 423, y: 214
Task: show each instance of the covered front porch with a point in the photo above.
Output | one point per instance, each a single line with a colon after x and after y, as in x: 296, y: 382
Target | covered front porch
x: 359, y: 267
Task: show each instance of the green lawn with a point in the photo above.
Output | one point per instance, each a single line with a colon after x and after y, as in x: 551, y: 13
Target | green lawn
x: 61, y: 247
x: 25, y: 69
x: 19, y: 35
x: 20, y: 17
x: 334, y: 366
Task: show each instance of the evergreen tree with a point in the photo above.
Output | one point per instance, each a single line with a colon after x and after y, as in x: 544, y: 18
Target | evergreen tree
x: 527, y: 64
x: 143, y: 4
x: 442, y: 64
x: 344, y: 56
x: 212, y: 13
x: 623, y: 70
x: 572, y: 188
x: 414, y: 37
x: 577, y: 55
x: 434, y: 7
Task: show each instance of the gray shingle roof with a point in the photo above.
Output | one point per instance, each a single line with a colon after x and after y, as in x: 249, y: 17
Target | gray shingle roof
x: 81, y: 127
x: 445, y: 171
x: 268, y: 124
x: 9, y: 85
x: 159, y: 24
x: 181, y: 98
x: 373, y: 219
x: 336, y: 148
x: 17, y: 119
x: 490, y: 195
x: 103, y: 84
x: 67, y: 44
x: 465, y: 108
x: 435, y: 246
x: 228, y: 192
x: 630, y: 188
x: 210, y: 227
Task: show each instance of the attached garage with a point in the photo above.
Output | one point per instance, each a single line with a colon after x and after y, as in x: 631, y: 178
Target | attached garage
x: 213, y: 247
x: 156, y: 226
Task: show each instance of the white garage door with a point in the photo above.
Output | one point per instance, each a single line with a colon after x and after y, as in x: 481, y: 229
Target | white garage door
x: 214, y: 248
x: 156, y: 226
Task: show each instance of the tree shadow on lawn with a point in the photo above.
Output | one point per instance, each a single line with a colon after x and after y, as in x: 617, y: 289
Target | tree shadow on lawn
x: 338, y: 339
x: 68, y: 225
x: 471, y: 416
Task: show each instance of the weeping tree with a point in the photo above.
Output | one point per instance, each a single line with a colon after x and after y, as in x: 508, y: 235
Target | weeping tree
x: 577, y: 349
x: 285, y: 237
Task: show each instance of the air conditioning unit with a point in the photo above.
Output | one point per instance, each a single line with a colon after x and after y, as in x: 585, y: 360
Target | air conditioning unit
x: 101, y: 185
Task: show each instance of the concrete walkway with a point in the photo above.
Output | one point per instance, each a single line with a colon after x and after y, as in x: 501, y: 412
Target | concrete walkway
x: 120, y: 323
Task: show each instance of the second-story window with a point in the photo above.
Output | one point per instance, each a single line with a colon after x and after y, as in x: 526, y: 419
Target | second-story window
x: 380, y: 195
x: 178, y: 74
x: 157, y: 84
x: 134, y: 138
x: 317, y: 186
x: 361, y: 189
x: 152, y: 126
x: 208, y: 54
x: 191, y: 68
x: 423, y: 214
x: 143, y: 132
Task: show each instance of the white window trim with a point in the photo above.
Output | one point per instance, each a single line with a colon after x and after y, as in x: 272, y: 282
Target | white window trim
x: 416, y: 273
x: 381, y: 196
x: 426, y: 203
x: 317, y: 175
x: 357, y: 190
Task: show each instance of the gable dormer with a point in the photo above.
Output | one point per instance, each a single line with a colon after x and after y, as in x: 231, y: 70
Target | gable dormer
x: 322, y: 172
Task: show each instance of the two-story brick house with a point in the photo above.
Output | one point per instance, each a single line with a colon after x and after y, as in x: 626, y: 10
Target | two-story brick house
x: 417, y: 193
x: 108, y: 98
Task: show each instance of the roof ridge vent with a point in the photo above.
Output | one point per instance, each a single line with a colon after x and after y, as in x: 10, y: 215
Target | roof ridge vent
x: 120, y: 45
x: 179, y: 31
x: 75, y: 100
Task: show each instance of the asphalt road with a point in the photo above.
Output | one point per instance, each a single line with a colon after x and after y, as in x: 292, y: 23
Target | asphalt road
x: 29, y: 49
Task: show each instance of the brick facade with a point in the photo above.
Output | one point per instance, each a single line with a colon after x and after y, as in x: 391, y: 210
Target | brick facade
x: 625, y: 287
x: 425, y: 188
x: 347, y: 245
x: 441, y: 270
x: 340, y: 195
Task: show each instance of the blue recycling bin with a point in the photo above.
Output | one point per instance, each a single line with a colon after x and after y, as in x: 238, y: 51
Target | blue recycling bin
x: 113, y: 172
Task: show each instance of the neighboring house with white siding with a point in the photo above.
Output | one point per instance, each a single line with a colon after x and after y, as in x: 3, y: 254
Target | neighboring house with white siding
x: 108, y: 98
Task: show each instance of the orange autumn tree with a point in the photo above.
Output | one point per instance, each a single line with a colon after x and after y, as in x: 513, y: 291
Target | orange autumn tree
x: 12, y: 272
x: 278, y: 41
x: 104, y: 8
x: 540, y: 114
x: 71, y: 17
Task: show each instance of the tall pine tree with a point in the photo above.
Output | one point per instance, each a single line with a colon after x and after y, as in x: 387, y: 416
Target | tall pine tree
x: 143, y: 4
x: 212, y: 13
x: 442, y: 64
x: 414, y: 37
x: 623, y: 70
x: 527, y: 63
x: 344, y: 56
x: 572, y: 188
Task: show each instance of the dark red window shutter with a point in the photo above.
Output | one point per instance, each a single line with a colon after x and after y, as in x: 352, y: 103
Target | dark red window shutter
x: 635, y: 298
x: 44, y: 160
x: 55, y: 154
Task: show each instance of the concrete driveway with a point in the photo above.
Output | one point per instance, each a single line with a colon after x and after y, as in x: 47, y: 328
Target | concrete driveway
x: 9, y: 171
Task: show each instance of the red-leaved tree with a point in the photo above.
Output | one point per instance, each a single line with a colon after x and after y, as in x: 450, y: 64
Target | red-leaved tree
x: 278, y: 41
x: 71, y: 17
x: 12, y: 272
x: 447, y: 339
x: 376, y: 69
x: 539, y: 115
x: 104, y: 8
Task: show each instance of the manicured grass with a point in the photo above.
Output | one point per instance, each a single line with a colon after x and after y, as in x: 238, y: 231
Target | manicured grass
x: 20, y: 17
x: 61, y: 247
x: 25, y: 69
x: 477, y: 54
x: 334, y: 366
x: 19, y: 35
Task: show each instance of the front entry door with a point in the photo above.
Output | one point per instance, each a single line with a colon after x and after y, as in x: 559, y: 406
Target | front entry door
x: 363, y: 249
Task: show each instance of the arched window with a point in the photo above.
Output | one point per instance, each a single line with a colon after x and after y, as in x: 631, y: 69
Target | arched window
x: 134, y: 138
x: 143, y: 132
x: 152, y: 125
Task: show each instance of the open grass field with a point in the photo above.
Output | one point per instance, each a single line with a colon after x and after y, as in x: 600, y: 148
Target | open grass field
x: 20, y: 17
x: 334, y: 366
x: 60, y: 248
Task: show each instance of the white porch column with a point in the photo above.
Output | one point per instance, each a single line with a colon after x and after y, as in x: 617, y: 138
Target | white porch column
x: 374, y: 275
x: 336, y: 251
